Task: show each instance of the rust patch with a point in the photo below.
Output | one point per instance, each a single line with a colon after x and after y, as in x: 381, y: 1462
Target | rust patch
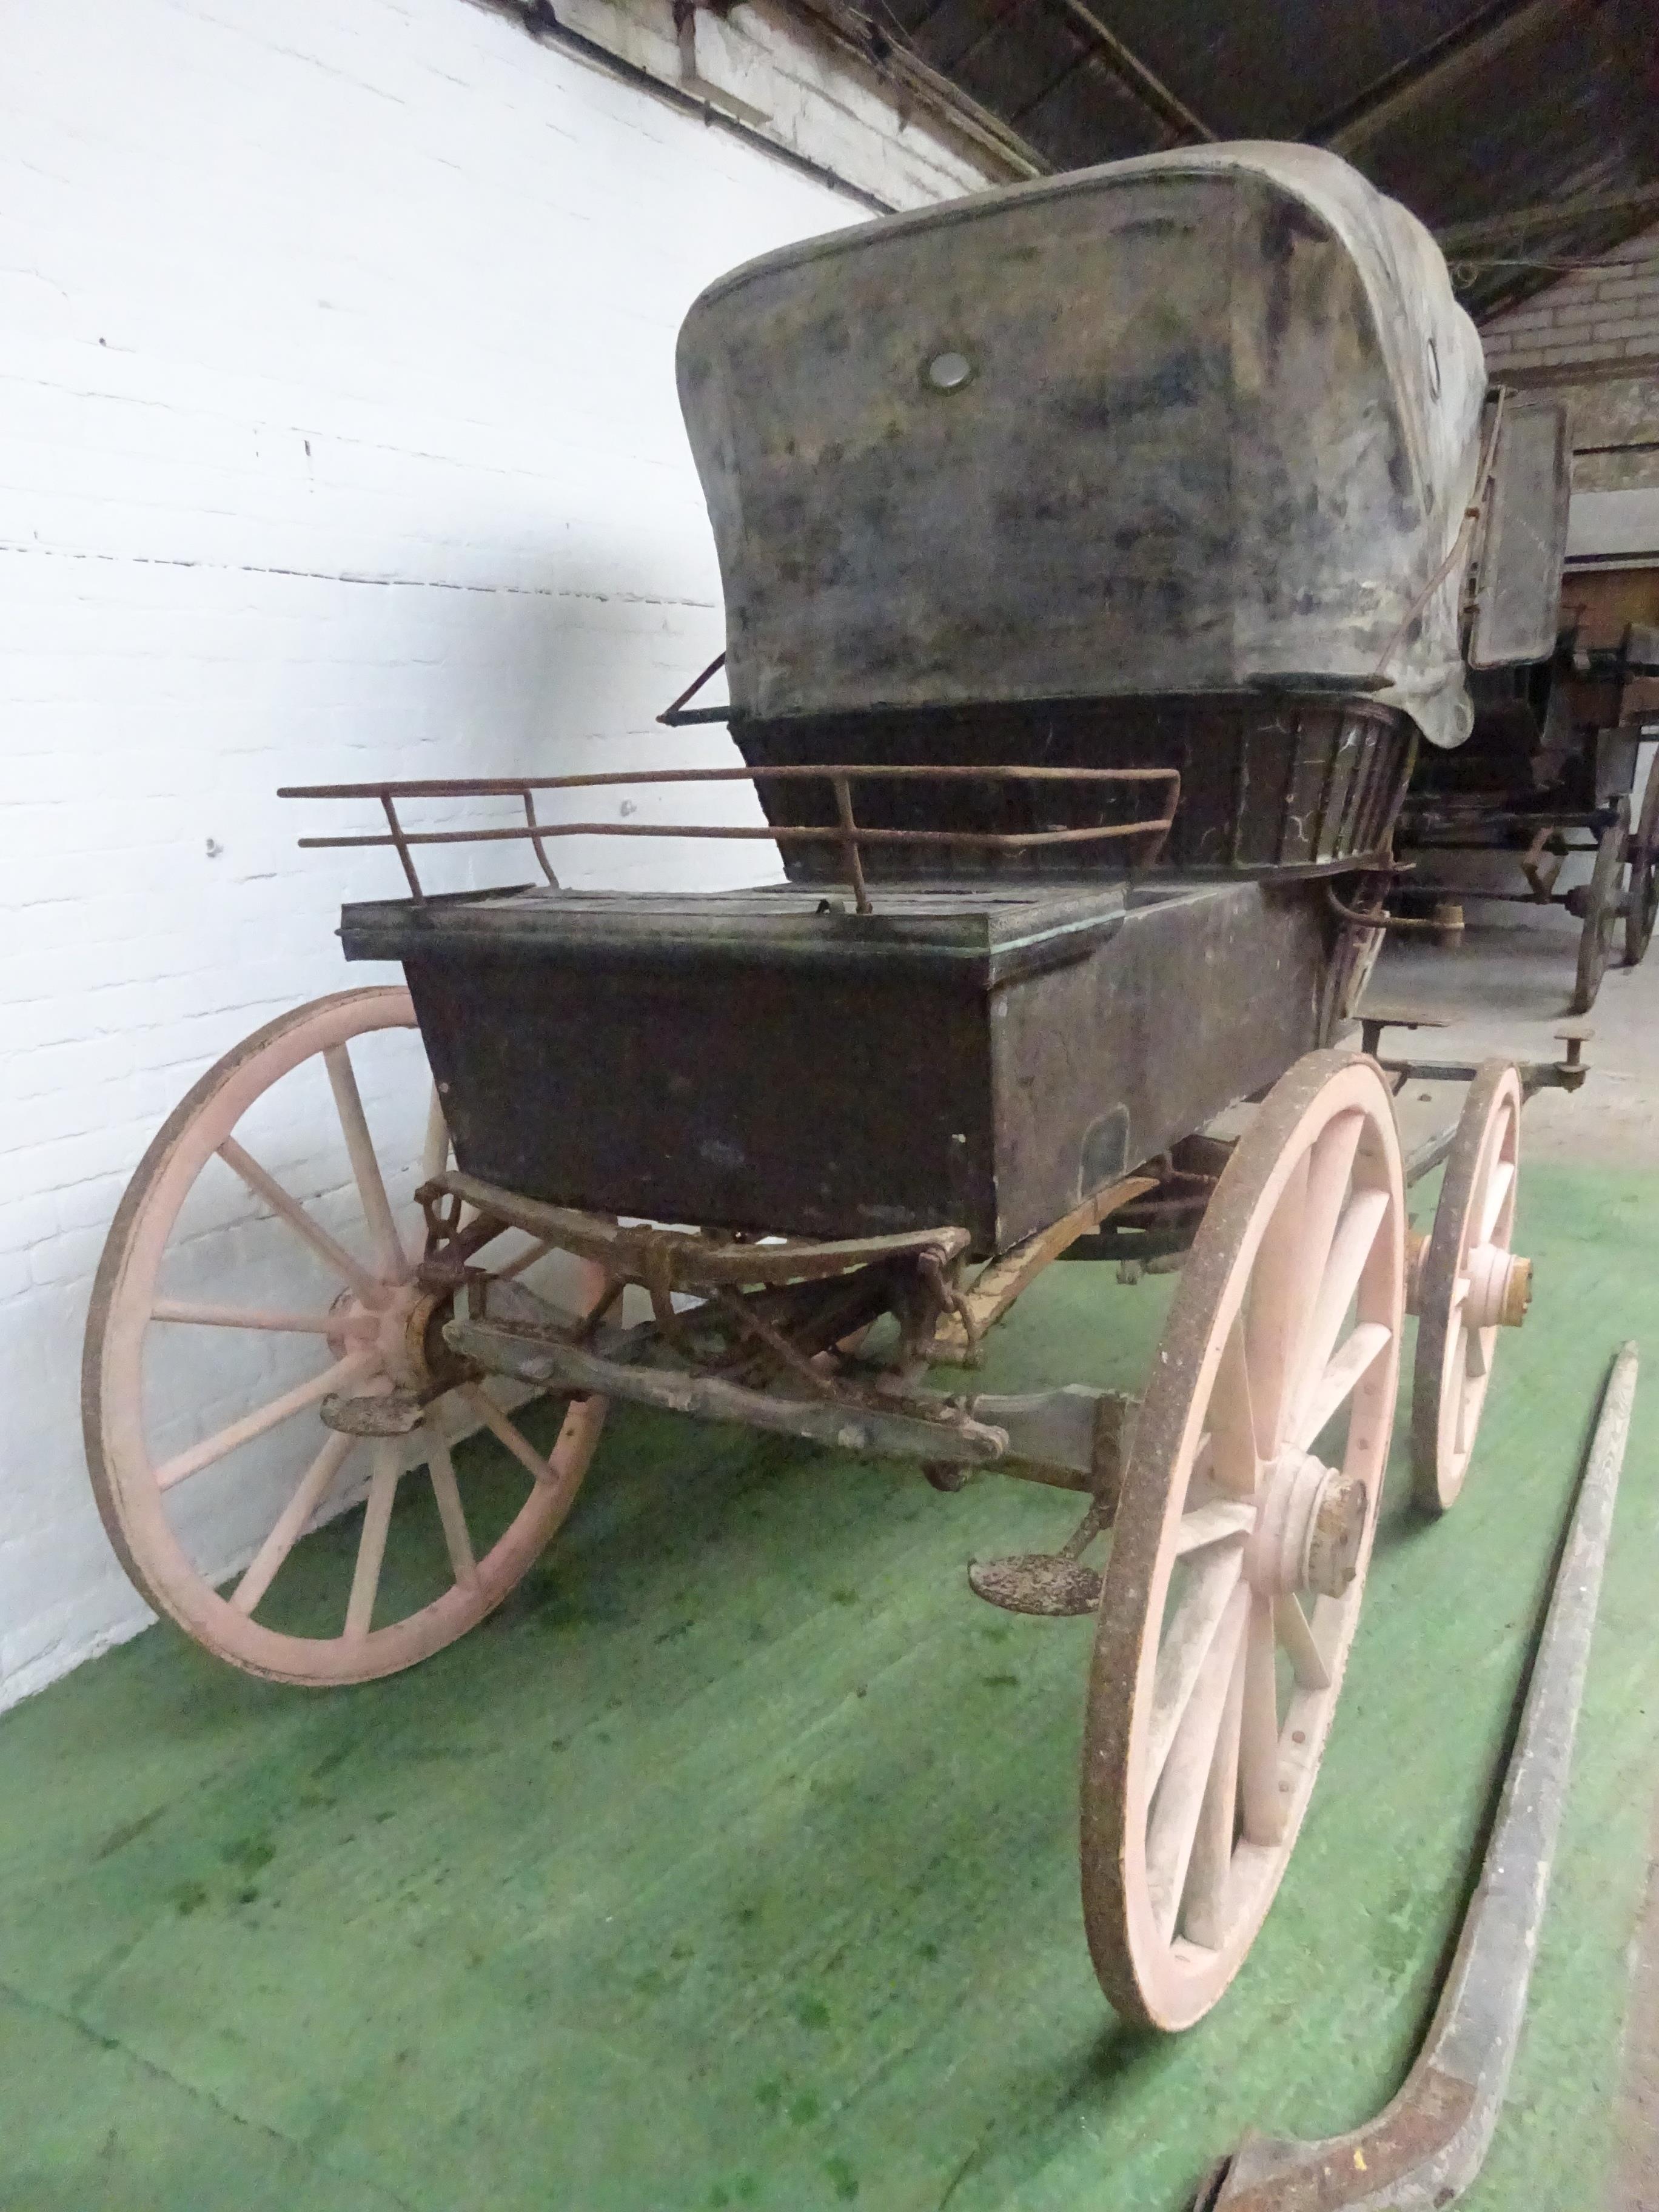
x: 1350, y: 2169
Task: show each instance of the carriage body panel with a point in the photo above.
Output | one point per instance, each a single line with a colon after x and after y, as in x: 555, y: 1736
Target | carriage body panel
x: 749, y: 1060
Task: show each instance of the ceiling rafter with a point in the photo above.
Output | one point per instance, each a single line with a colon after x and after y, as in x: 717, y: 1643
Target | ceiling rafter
x: 1149, y: 90
x: 1524, y: 223
x: 1467, y: 46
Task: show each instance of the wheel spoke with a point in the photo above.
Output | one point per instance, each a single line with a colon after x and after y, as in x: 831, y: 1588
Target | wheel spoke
x: 1236, y: 1460
x: 1330, y: 1173
x: 1366, y: 1344
x: 334, y: 1255
x: 1185, y: 1646
x: 1263, y: 1802
x: 1469, y: 1414
x: 1273, y: 1319
x: 1295, y: 1632
x: 505, y: 1433
x: 365, y: 1167
x: 1181, y: 1793
x: 1214, y: 1523
x: 293, y: 1401
x: 1350, y: 1248
x: 446, y: 1491
x: 371, y: 1544
x: 271, y: 1317
x: 314, y: 1486
x: 1204, y: 1914
x: 1497, y: 1189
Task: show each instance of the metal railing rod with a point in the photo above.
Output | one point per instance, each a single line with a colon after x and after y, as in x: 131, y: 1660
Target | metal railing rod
x: 513, y: 786
x: 785, y: 833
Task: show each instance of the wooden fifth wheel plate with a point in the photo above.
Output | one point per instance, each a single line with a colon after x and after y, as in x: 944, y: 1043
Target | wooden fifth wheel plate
x: 262, y: 1260
x: 1468, y: 1285
x: 1241, y: 1542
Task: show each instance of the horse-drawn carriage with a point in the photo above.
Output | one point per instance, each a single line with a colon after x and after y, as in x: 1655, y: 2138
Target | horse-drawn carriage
x: 1549, y: 771
x: 1093, y: 559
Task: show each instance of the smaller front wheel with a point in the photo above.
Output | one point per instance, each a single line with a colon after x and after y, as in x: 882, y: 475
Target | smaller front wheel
x: 265, y: 1259
x: 1467, y: 1283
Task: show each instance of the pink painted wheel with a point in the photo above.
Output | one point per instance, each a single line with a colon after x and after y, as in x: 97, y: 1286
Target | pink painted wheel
x: 1468, y: 1286
x: 1241, y: 1541
x: 263, y: 1258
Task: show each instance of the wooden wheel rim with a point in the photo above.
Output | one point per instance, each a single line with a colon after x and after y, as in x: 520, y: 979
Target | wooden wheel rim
x: 1150, y: 1967
x: 123, y: 1475
x: 1642, y: 907
x: 1602, y: 910
x: 1452, y: 1366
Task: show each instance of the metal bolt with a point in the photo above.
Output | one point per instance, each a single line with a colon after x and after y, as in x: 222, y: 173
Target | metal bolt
x: 949, y: 372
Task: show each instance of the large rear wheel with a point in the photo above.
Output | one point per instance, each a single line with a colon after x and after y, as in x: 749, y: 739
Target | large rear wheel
x: 1241, y: 1541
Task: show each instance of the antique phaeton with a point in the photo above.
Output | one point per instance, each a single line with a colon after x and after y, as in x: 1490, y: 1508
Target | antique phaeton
x: 1094, y: 554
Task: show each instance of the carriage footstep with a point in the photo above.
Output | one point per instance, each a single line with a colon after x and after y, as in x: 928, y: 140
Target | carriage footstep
x: 1043, y: 1582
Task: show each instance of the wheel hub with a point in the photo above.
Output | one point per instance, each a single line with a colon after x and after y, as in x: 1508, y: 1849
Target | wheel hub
x: 1309, y: 1527
x: 404, y: 1331
x: 1500, y: 1287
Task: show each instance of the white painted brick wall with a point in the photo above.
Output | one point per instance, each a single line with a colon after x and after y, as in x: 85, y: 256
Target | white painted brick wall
x: 338, y: 437
x: 1607, y: 313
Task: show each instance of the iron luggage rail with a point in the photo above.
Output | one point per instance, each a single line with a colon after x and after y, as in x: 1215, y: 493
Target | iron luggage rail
x: 847, y: 834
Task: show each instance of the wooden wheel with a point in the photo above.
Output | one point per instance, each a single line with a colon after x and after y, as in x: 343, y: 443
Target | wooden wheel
x: 1598, y: 903
x: 1468, y: 1284
x: 1239, y: 1552
x: 1642, y: 900
x: 261, y: 1260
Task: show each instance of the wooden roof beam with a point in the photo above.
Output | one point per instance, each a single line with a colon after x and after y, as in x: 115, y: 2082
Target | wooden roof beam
x: 1148, y: 91
x: 1467, y: 46
x: 1558, y: 214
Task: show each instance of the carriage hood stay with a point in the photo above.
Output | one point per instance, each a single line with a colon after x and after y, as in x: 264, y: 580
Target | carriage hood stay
x: 1206, y: 422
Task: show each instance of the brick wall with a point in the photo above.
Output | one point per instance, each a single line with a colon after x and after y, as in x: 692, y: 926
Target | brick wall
x: 1608, y: 312
x: 1594, y: 337
x: 339, y: 437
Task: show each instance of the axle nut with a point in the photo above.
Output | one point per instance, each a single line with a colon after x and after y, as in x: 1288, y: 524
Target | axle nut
x: 1518, y: 1294
x: 1336, y: 1536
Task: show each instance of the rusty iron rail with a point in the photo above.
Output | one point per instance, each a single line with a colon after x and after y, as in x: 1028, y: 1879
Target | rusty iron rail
x: 845, y: 833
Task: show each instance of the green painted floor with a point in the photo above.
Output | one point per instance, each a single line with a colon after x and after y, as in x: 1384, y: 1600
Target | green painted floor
x: 732, y: 1864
